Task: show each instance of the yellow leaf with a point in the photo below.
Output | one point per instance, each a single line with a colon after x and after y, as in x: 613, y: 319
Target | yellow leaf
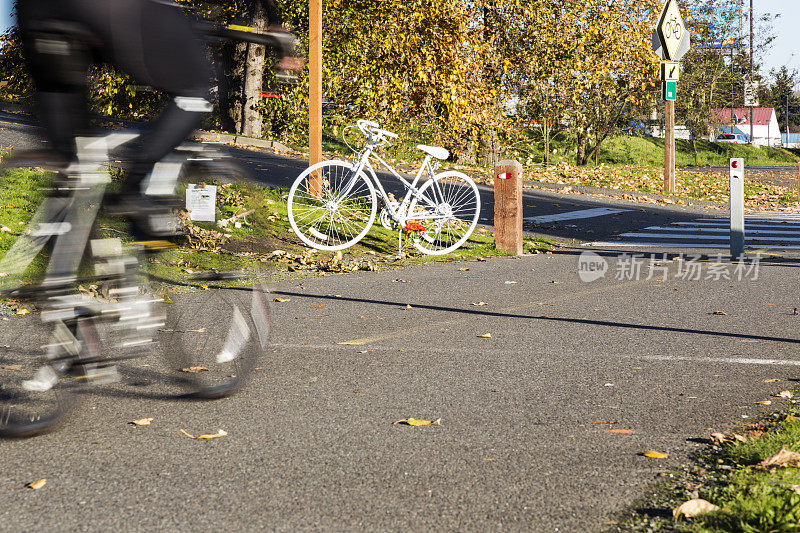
x: 765, y: 402
x: 141, y: 422
x: 790, y: 418
x: 194, y: 369
x: 220, y: 433
x: 693, y: 508
x: 480, y: 303
x: 655, y: 455
x: 204, y: 287
x: 22, y: 311
x: 281, y: 300
x: 486, y: 336
x: 36, y: 485
x: 415, y: 422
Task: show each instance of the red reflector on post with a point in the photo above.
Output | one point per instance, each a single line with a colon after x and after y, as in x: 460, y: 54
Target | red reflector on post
x: 505, y: 176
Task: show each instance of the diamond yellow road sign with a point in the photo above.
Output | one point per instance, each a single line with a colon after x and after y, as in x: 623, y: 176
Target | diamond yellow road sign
x: 670, y: 29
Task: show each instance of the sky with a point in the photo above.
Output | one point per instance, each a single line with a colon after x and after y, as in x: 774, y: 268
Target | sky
x: 785, y: 50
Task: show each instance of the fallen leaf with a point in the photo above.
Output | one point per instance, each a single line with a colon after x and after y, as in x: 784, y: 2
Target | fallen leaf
x: 10, y: 367
x: 408, y: 306
x: 194, y: 369
x: 220, y: 433
x: 605, y: 422
x: 36, y: 485
x: 486, y: 336
x: 480, y: 303
x: 719, y: 313
x: 415, y: 422
x: 765, y: 402
x: 141, y: 422
x: 718, y: 438
x: 781, y: 459
x: 655, y: 455
x: 785, y: 394
x: 463, y: 269
x: 694, y: 508
x: 795, y: 488
x: 624, y: 431
x: 739, y: 438
x: 22, y: 311
x: 510, y: 282
x: 608, y: 384
x: 167, y: 300
x: 398, y: 280
x: 281, y: 300
x: 790, y: 418
x: 204, y: 287
x: 773, y: 380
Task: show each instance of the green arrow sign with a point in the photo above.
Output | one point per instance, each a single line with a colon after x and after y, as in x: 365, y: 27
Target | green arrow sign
x: 669, y: 91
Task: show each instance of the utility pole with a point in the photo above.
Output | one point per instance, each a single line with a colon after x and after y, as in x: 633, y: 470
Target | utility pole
x: 751, y: 68
x: 314, y: 81
x: 315, y: 90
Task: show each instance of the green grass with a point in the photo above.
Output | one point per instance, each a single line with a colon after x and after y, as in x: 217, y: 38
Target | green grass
x: 751, y: 499
x: 634, y: 150
x: 245, y: 248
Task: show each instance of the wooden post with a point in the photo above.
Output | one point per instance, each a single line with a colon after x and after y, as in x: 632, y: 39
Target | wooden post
x: 315, y: 88
x: 508, y: 207
x: 669, y: 147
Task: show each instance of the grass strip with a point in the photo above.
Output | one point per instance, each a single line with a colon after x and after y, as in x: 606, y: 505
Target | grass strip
x: 750, y: 498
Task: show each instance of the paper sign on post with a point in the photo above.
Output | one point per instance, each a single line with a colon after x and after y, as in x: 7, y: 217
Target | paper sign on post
x: 201, y: 202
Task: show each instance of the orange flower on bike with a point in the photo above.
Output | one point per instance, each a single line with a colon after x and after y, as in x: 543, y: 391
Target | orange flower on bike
x: 413, y: 227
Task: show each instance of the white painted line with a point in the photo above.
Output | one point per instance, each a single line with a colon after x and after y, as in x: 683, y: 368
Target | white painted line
x: 699, y: 231
x: 730, y: 360
x: 690, y: 245
x: 750, y: 218
x: 727, y: 224
x: 705, y: 237
x: 621, y: 244
x: 575, y: 215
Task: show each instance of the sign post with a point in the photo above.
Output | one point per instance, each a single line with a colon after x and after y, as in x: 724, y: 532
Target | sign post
x: 670, y: 42
x: 315, y: 90
x: 737, y: 208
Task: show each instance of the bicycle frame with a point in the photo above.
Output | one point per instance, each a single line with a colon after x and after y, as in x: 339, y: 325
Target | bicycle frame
x: 363, y: 162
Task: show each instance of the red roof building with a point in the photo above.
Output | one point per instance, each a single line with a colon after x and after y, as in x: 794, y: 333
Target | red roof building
x: 766, y: 130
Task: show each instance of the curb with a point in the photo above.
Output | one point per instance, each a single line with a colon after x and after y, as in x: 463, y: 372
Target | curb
x: 239, y: 140
x: 617, y: 193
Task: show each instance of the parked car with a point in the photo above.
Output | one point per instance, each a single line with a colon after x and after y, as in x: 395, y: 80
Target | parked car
x: 733, y: 138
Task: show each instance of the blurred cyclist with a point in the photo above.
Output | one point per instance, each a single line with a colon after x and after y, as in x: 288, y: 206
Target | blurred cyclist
x: 152, y: 41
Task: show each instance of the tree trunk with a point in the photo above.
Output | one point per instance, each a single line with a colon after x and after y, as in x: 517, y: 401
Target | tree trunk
x: 254, y: 78
x: 580, y: 158
x: 546, y: 132
x: 489, y: 149
x: 231, y: 102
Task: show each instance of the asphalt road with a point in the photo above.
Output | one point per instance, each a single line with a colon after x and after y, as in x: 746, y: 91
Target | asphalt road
x: 524, y: 441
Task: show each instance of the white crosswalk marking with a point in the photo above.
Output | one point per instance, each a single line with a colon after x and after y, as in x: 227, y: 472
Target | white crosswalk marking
x: 763, y: 230
x: 575, y: 215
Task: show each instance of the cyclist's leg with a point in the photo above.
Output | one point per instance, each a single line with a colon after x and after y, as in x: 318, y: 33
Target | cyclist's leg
x: 154, y: 43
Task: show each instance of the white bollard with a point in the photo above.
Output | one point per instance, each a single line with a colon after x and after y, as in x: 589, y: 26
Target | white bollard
x: 737, y: 208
